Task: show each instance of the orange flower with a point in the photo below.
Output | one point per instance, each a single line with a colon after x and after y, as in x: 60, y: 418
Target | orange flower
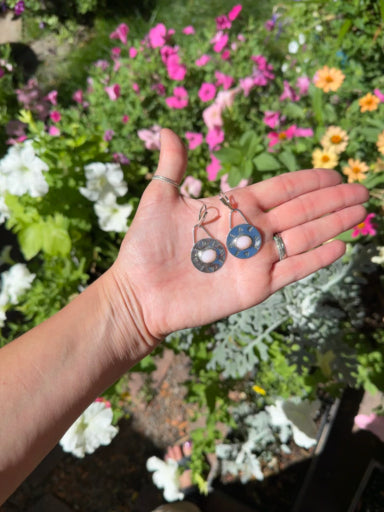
x: 368, y: 102
x: 335, y: 138
x: 380, y: 143
x: 324, y: 158
x: 355, y: 170
x: 328, y: 79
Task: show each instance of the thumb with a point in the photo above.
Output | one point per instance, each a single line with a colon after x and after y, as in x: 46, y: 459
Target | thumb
x: 172, y: 162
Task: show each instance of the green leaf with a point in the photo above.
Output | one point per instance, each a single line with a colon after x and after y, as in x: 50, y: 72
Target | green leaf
x: 346, y: 236
x: 317, y: 105
x: 344, y: 29
x: 374, y: 180
x: 31, y: 240
x: 266, y: 162
x: 288, y: 159
x: 294, y: 111
x: 230, y: 155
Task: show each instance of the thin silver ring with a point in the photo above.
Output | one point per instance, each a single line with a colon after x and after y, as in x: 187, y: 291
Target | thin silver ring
x: 280, y: 246
x: 166, y: 180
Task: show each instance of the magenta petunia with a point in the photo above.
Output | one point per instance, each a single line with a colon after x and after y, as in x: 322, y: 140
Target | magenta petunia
x: 194, y: 139
x: 189, y: 30
x: 78, y: 96
x: 125, y: 119
x: 176, y: 71
x: 132, y: 52
x: 379, y: 94
x: 212, y: 116
x: 276, y: 137
x: 234, y: 12
x: 222, y: 22
x: 136, y: 87
x: 203, y: 60
x: 207, y: 92
x: 108, y: 135
x: 219, y: 42
x: 367, y: 227
x: 52, y: 97
x: 303, y: 83
x: 214, y: 138
x: 54, y: 131
x: 271, y: 118
x: 55, y: 116
x: 247, y: 84
x: 213, y: 168
x: 226, y: 55
x: 157, y: 35
x: 289, y: 93
x: 121, y: 33
x: 304, y: 132
x: 223, y: 80
x: 179, y: 99
x: 113, y: 91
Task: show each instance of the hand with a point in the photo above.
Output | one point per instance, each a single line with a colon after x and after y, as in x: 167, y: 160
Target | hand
x: 154, y: 271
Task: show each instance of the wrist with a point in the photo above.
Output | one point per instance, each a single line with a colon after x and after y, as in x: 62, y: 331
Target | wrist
x: 129, y: 335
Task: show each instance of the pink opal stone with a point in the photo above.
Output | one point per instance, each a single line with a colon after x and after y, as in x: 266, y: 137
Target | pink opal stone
x: 207, y: 256
x: 243, y: 242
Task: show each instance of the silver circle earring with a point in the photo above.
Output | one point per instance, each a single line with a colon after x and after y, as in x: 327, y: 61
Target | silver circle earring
x: 243, y: 240
x: 208, y: 254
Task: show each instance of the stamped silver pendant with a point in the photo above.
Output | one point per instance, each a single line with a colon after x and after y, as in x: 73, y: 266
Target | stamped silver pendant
x: 208, y: 255
x: 244, y: 241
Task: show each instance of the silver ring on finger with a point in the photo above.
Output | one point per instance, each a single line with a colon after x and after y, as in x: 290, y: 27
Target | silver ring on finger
x: 282, y: 251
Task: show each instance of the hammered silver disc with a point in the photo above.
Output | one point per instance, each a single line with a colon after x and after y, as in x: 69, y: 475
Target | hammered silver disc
x: 204, y: 245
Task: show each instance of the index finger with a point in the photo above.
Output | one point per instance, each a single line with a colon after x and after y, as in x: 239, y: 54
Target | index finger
x: 279, y: 189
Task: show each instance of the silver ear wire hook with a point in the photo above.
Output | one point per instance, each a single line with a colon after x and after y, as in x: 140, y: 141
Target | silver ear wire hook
x: 208, y: 254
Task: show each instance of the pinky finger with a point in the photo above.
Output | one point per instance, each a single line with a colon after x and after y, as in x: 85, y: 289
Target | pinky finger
x: 302, y: 265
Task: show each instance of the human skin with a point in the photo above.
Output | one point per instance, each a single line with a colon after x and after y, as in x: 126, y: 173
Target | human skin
x: 51, y: 374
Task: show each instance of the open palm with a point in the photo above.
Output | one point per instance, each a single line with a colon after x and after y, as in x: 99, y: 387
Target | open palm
x: 154, y: 266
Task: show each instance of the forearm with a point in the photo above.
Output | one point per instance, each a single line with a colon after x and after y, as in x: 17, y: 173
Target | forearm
x: 51, y: 374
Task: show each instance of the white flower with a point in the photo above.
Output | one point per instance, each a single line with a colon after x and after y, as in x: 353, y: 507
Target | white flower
x: 103, y: 179
x: 14, y: 282
x: 379, y: 259
x: 296, y: 415
x: 92, y: 429
x: 2, y: 317
x: 166, y: 476
x: 293, y: 47
x: 21, y: 171
x: 4, y: 212
x: 112, y: 216
x: 301, y: 38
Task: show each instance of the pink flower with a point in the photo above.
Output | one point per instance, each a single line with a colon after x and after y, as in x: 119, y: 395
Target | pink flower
x: 157, y: 35
x: 234, y: 12
x: 263, y: 73
x: 55, y: 116
x: 219, y: 42
x: 115, y: 52
x: 102, y: 64
x: 225, y: 99
x: 189, y: 30
x: 212, y: 116
x: 166, y: 51
x: 151, y: 137
x: 52, y: 97
x: 288, y: 93
x: 120, y: 33
x: 159, y: 88
x: 113, y: 91
x: 371, y: 422
x: 271, y: 119
x: 214, y: 138
x: 125, y: 119
x: 121, y: 158
x: 202, y: 61
x: 226, y: 55
x: 225, y: 80
x: 247, y: 84
x: 303, y: 132
x: 366, y: 227
x: 222, y: 22
x: 135, y: 87
x: 207, y: 91
x: 194, y: 139
x: 191, y: 187
x: 213, y: 168
x: 176, y: 71
x: 132, y: 52
x: 78, y: 96
x: 225, y: 187
x: 54, y: 131
x: 276, y: 137
x: 379, y: 94
x: 108, y: 135
x: 302, y: 83
x: 179, y: 99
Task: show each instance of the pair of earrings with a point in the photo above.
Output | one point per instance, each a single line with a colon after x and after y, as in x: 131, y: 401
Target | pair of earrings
x: 243, y: 241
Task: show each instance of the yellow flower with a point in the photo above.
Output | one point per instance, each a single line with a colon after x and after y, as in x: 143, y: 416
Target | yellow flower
x: 328, y: 79
x: 368, y: 102
x: 380, y: 143
x: 335, y: 139
x: 324, y: 158
x: 355, y: 170
x: 379, y: 165
x: 258, y: 389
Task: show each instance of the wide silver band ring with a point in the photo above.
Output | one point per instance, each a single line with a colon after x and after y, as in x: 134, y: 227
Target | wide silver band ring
x: 280, y: 246
x: 166, y: 180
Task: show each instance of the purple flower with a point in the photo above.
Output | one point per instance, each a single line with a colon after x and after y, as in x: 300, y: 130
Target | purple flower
x: 19, y: 8
x: 108, y: 135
